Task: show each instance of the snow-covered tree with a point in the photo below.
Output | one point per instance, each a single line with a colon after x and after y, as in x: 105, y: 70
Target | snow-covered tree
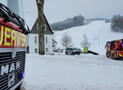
x: 66, y: 41
x: 85, y: 42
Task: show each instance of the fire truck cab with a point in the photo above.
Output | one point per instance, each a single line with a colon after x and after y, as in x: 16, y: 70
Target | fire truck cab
x: 13, y: 44
x: 114, y: 49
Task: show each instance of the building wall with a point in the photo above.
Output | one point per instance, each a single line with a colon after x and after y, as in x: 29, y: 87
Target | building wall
x: 33, y: 43
x: 48, y: 43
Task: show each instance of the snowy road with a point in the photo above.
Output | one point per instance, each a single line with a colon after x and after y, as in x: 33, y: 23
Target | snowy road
x: 85, y: 72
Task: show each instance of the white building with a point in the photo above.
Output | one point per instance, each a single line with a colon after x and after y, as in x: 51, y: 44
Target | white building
x: 48, y: 39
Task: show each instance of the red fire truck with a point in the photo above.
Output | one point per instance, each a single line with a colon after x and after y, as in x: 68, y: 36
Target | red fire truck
x: 114, y: 49
x: 13, y: 44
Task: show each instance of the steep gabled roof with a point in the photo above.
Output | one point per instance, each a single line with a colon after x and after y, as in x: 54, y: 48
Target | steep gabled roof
x: 34, y: 28
x: 48, y: 31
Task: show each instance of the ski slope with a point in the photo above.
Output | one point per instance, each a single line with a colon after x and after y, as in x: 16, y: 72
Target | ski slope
x: 97, y: 32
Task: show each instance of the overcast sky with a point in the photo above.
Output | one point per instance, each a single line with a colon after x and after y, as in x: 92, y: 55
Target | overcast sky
x: 57, y: 10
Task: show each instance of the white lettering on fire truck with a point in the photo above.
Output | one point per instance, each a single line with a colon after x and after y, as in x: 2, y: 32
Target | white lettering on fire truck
x: 9, y: 68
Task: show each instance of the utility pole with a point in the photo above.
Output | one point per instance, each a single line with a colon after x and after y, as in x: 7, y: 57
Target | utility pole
x: 40, y: 6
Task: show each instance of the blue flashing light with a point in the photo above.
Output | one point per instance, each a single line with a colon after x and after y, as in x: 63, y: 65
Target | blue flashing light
x: 22, y: 75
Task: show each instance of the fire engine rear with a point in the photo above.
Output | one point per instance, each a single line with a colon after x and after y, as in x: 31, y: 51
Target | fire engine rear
x: 114, y: 49
x: 13, y: 44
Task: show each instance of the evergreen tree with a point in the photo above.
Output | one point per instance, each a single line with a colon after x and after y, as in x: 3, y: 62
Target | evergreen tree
x: 117, y: 23
x: 68, y: 23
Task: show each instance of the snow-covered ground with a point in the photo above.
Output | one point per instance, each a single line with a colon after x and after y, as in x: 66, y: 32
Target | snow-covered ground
x: 84, y: 72
x: 97, y: 32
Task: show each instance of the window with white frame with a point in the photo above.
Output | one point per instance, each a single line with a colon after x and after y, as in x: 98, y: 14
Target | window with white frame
x: 35, y: 39
x: 47, y: 50
x: 46, y: 39
x: 36, y: 50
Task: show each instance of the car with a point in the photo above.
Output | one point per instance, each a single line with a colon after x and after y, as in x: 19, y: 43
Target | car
x: 72, y: 51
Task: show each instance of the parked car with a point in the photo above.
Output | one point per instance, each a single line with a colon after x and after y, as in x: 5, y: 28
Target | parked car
x: 72, y: 51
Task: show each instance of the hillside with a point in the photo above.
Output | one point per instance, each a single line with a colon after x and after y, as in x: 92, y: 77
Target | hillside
x: 97, y: 32
x: 68, y: 23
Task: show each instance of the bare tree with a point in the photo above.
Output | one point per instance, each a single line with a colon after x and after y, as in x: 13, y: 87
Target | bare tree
x: 66, y: 41
x: 40, y: 6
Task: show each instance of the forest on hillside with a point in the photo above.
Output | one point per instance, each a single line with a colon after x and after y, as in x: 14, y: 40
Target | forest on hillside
x: 117, y: 23
x: 68, y: 23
